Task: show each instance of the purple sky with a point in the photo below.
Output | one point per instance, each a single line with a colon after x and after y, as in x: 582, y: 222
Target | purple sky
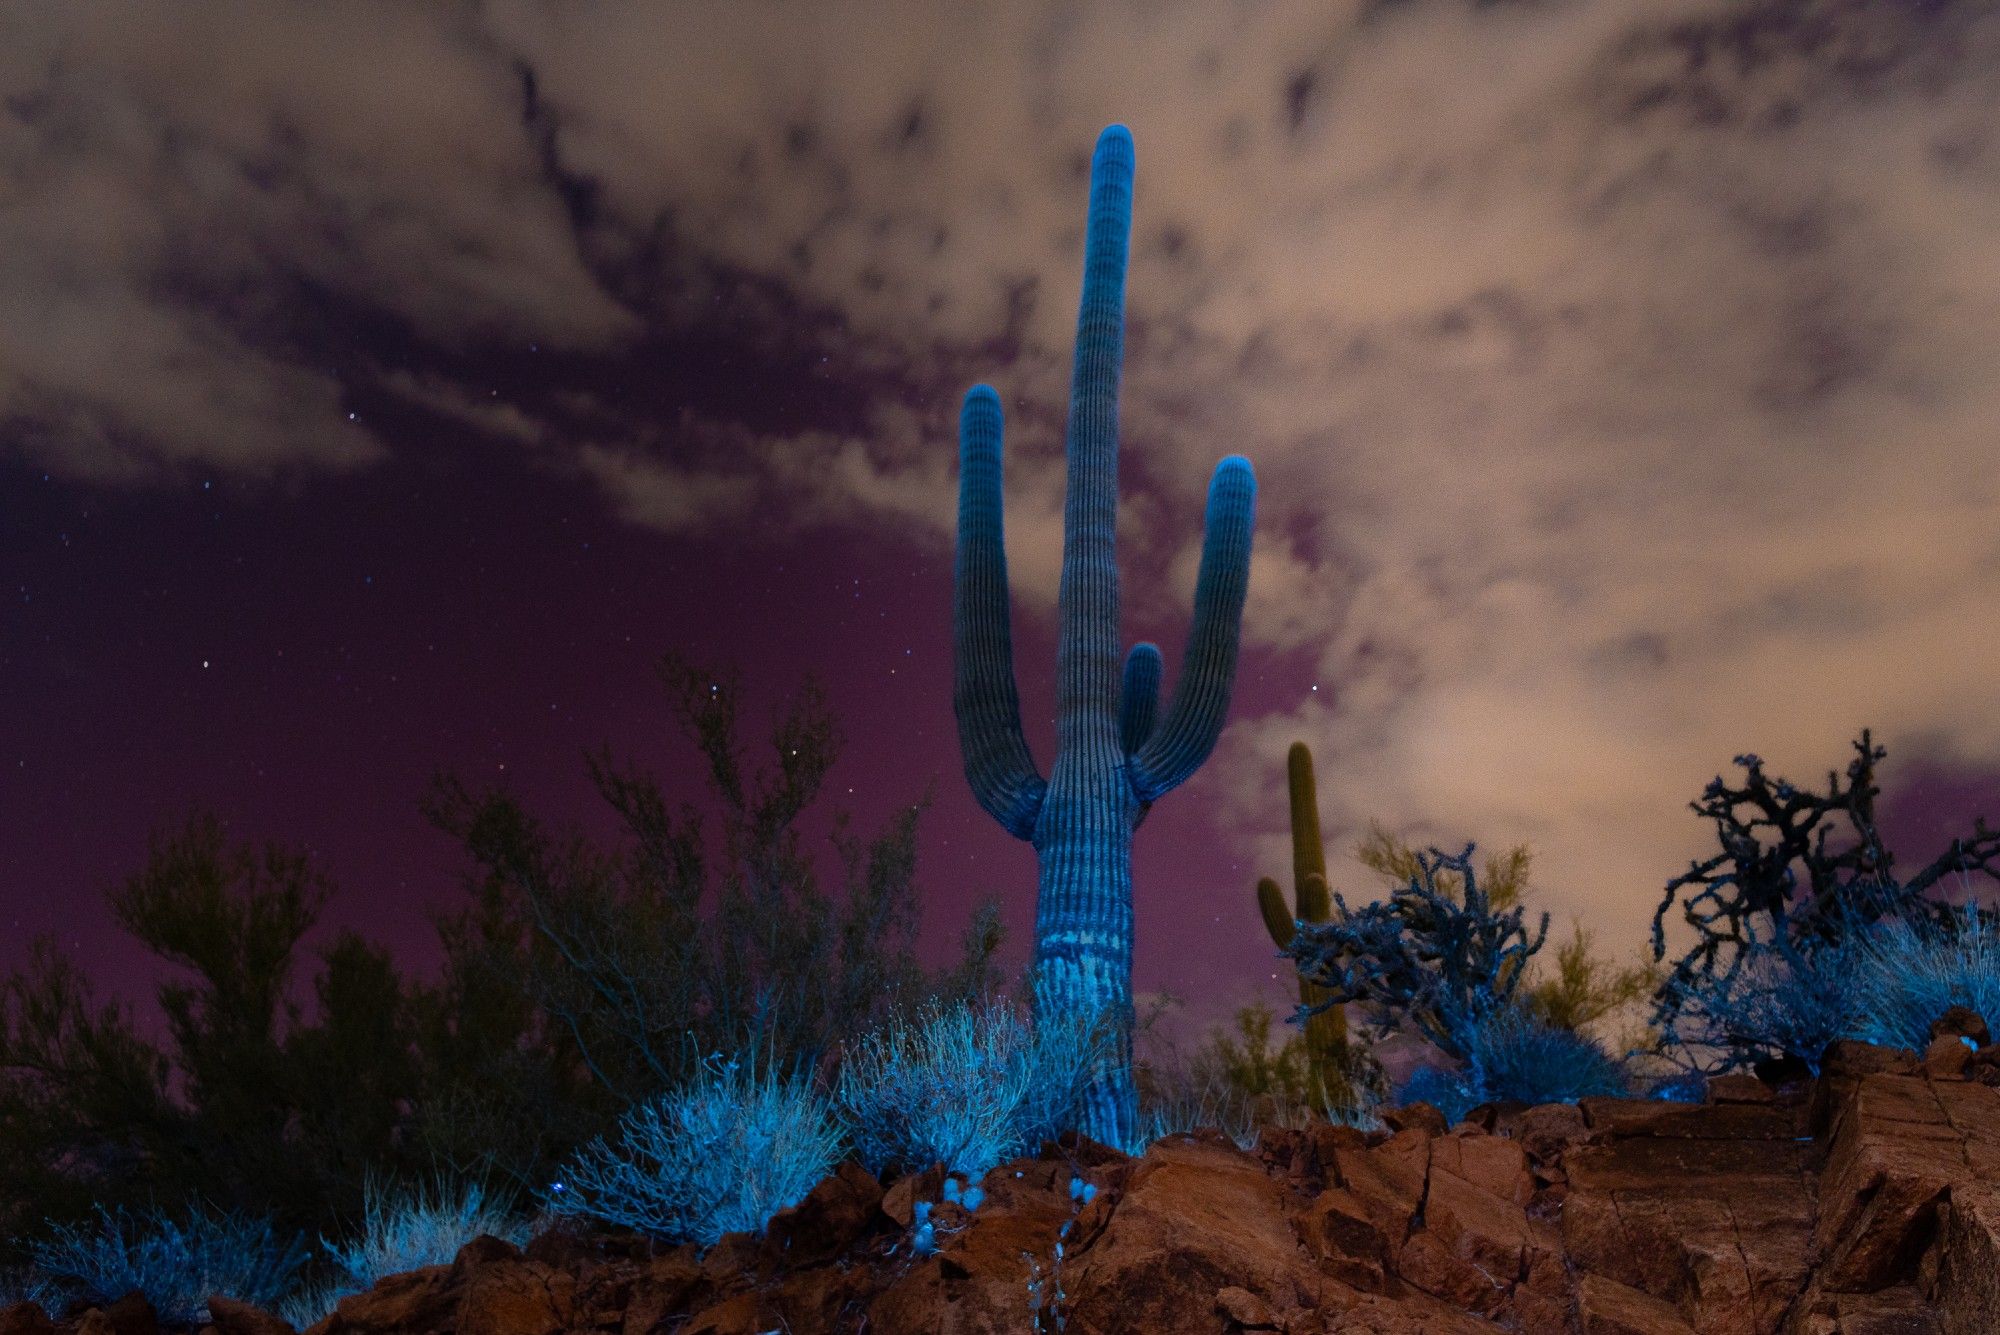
x: 382, y: 393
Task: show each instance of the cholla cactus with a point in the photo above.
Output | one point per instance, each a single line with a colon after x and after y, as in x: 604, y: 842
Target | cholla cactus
x: 1114, y: 757
x: 1444, y: 963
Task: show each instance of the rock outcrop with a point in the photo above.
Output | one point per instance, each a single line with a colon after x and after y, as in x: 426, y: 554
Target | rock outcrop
x: 1865, y: 1203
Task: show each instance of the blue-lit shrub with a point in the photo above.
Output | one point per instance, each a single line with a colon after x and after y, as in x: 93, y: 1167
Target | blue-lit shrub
x: 25, y: 1284
x: 402, y: 1230
x: 176, y: 1263
x: 1513, y: 1057
x: 721, y: 1156
x: 1779, y: 1000
x: 966, y: 1088
x: 1912, y: 972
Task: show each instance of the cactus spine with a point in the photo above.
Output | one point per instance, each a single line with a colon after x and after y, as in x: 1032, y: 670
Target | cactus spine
x: 1114, y: 755
x: 1326, y: 1032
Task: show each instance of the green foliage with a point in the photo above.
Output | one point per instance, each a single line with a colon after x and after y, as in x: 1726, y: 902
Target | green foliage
x: 247, y: 1104
x: 1583, y: 988
x: 1253, y: 1067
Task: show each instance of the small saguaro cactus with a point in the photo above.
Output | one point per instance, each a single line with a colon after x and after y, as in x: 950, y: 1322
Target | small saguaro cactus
x: 1326, y: 1031
x: 1114, y: 757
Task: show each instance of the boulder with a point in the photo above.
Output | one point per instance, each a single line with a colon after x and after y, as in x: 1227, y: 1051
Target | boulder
x: 831, y: 1217
x: 1720, y: 1229
x: 665, y: 1289
x: 510, y: 1297
x: 1968, y: 1261
x: 1606, y: 1307
x: 25, y: 1318
x: 1194, y: 1219
x: 482, y: 1250
x: 1961, y: 1022
x: 230, y: 1317
x: 1894, y: 1154
x: 406, y: 1304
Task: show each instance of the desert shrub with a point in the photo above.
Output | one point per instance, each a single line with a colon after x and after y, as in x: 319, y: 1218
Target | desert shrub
x: 1435, y: 957
x: 401, y: 1230
x: 1767, y: 972
x: 1521, y: 1058
x: 616, y: 948
x: 721, y: 1155
x: 1513, y: 1055
x: 178, y: 1264
x: 1911, y: 972
x: 1186, y: 1092
x: 26, y: 1284
x: 1779, y: 999
x: 966, y: 1087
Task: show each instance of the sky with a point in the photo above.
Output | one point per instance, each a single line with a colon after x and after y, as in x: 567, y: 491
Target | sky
x: 383, y: 389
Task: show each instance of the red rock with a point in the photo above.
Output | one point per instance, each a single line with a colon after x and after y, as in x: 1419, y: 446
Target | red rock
x: 1738, y: 1087
x: 516, y: 1298
x: 743, y: 1314
x: 1545, y: 1132
x: 1961, y: 1022
x: 1193, y: 1220
x: 899, y: 1201
x: 230, y: 1317
x: 1968, y: 1264
x: 482, y: 1250
x: 25, y: 1318
x: 1246, y: 1309
x: 1388, y: 1180
x: 1412, y: 1313
x: 1947, y: 1058
x: 1417, y: 1116
x: 1695, y: 1121
x: 669, y: 1287
x: 1893, y: 1157
x: 1342, y: 1235
x: 836, y: 1212
x: 129, y: 1315
x: 1899, y: 1311
x: 1492, y: 1163
x: 1606, y: 1307
x: 415, y: 1301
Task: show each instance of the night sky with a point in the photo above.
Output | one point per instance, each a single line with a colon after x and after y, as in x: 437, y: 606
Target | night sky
x: 383, y: 389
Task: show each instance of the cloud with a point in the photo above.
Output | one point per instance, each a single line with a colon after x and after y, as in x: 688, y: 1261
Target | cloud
x: 1620, y: 380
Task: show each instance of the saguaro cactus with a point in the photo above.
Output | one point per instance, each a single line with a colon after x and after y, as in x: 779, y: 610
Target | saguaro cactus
x: 1326, y: 1032
x: 1113, y: 758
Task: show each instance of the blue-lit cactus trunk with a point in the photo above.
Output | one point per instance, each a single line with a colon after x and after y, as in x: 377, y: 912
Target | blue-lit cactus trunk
x: 1114, y: 757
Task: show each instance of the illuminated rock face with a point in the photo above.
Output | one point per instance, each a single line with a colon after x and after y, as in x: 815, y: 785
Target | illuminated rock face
x: 1114, y: 756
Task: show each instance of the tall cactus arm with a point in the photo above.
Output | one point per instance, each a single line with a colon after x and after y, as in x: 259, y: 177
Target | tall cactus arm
x: 984, y: 696
x: 1139, y: 700
x: 1087, y: 603
x: 1201, y: 694
x: 1308, y: 853
x: 1277, y: 917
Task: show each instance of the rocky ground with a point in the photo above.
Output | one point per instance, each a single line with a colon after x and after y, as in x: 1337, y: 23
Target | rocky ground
x: 1864, y: 1203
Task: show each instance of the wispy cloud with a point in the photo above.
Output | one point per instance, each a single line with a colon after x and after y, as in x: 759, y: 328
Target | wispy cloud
x: 1621, y: 379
